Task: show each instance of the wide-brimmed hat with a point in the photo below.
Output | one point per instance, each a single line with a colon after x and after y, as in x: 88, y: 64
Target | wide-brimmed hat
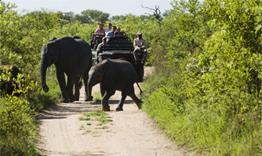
x: 138, y: 33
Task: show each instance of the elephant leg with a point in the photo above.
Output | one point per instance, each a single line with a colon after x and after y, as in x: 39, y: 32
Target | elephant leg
x: 77, y: 88
x: 88, y: 96
x: 106, y: 96
x: 102, y: 90
x: 69, y: 87
x: 121, y: 103
x: 62, y: 84
x: 134, y: 97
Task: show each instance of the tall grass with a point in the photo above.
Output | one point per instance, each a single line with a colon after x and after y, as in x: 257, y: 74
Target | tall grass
x: 204, y: 129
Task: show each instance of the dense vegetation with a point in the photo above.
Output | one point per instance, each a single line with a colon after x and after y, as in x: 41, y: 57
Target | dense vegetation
x: 208, y: 61
x: 207, y: 93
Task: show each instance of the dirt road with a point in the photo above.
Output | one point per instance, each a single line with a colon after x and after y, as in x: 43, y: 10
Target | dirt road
x: 130, y: 133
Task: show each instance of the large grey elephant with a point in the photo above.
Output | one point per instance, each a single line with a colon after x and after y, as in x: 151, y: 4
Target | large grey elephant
x: 114, y: 74
x: 71, y: 56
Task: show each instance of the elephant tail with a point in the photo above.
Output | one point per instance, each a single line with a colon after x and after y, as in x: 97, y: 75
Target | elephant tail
x: 141, y: 91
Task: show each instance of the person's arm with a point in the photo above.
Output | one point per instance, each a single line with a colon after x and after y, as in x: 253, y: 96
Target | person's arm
x: 135, y: 43
x: 98, y: 49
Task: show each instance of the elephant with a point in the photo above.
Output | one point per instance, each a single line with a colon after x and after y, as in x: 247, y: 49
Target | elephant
x: 9, y: 85
x: 71, y: 56
x: 114, y: 74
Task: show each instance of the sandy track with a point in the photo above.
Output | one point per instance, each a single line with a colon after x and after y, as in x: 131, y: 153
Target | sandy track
x: 131, y: 132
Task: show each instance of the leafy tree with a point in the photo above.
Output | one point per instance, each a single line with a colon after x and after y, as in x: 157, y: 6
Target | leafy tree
x: 118, y: 17
x: 211, y: 93
x: 67, y: 17
x: 92, y: 16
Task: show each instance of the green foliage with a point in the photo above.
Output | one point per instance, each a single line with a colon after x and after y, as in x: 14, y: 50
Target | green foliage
x: 40, y: 100
x: 86, y: 16
x: 22, y: 37
x: 94, y: 16
x: 97, y: 96
x: 207, y: 57
x: 17, y: 130
x: 83, y: 31
x: 210, y: 98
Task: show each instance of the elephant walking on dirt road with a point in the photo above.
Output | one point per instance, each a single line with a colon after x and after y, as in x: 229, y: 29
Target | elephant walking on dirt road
x: 114, y: 74
x: 71, y: 56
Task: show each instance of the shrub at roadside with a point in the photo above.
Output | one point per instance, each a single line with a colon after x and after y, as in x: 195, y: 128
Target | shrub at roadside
x: 210, y: 99
x: 17, y: 129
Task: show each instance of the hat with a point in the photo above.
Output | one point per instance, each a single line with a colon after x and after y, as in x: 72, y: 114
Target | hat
x: 139, y: 33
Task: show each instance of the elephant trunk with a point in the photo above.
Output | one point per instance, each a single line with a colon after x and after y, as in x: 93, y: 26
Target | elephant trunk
x: 92, y: 81
x: 89, y: 95
x: 95, y: 76
x: 43, y: 76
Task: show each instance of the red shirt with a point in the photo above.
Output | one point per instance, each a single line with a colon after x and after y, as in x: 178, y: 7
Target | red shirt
x: 100, y: 32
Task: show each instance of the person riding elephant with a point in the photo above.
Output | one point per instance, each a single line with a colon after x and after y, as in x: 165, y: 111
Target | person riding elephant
x: 71, y: 56
x: 98, y: 35
x: 114, y: 74
x: 140, y: 46
x: 140, y: 55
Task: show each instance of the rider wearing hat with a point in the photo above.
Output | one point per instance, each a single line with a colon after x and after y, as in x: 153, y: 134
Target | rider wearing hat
x: 140, y: 55
x: 140, y: 46
x: 139, y: 42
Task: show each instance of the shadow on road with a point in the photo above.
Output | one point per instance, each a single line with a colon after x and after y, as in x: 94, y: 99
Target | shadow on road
x: 112, y: 102
x: 62, y: 110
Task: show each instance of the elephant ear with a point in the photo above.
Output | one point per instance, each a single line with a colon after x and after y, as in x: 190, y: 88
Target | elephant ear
x: 53, y: 39
x: 98, y: 69
x: 53, y: 50
x: 76, y: 37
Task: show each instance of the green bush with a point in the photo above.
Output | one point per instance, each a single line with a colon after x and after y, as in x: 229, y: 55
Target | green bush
x: 17, y: 129
x: 208, y: 61
x: 209, y: 99
x: 40, y: 100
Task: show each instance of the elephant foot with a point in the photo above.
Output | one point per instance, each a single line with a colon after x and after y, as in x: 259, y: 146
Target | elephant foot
x: 89, y: 98
x: 119, y: 109
x: 76, y: 98
x: 64, y: 100
x: 106, y: 108
x: 72, y: 100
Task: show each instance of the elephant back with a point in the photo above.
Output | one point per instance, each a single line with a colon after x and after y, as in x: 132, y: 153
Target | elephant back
x: 74, y: 45
x: 72, y: 54
x: 122, y: 68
